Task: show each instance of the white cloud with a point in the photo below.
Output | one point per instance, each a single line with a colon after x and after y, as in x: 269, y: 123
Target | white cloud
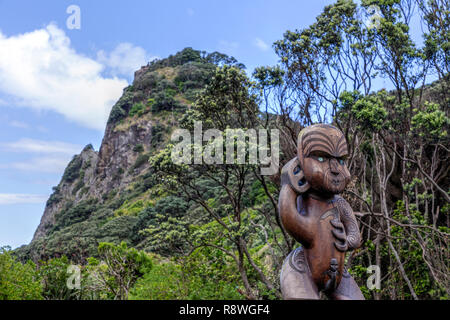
x: 41, y: 70
x: 125, y: 59
x: 17, y: 198
x: 54, y: 164
x: 261, y: 44
x: 40, y: 146
x: 53, y: 155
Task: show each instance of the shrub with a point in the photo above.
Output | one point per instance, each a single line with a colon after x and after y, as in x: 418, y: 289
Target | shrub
x: 170, y: 92
x: 163, y: 283
x: 119, y: 110
x: 138, y: 148
x: 164, y: 101
x: 148, y: 80
x: 54, y: 279
x: 55, y: 197
x: 78, y: 186
x: 119, y: 267
x: 186, y: 281
x: 141, y: 159
x: 72, y: 171
x: 157, y: 135
x: 75, y: 214
x: 137, y: 109
x: 116, y: 114
x: 18, y: 281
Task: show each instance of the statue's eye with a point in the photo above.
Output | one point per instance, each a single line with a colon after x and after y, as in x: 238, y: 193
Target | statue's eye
x: 320, y: 159
x: 341, y: 161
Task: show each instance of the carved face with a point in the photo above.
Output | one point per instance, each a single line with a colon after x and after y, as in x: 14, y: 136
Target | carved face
x: 322, y: 151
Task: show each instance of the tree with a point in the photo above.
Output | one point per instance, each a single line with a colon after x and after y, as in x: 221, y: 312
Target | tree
x: 118, y: 269
x: 54, y: 275
x: 398, y: 140
x: 193, y: 277
x: 168, y: 227
x: 18, y: 281
x: 221, y: 190
x: 335, y: 53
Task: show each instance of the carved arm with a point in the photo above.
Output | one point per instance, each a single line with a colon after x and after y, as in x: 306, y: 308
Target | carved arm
x: 299, y: 226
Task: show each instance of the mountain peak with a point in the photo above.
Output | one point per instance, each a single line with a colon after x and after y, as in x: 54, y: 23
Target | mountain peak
x: 102, y: 187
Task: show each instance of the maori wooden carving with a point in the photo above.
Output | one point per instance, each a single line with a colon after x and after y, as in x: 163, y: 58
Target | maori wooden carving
x: 314, y: 214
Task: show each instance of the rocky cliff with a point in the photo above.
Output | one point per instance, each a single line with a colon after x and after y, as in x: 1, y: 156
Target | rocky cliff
x: 102, y: 193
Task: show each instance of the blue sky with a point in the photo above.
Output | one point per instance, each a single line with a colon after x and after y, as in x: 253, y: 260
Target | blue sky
x: 57, y: 84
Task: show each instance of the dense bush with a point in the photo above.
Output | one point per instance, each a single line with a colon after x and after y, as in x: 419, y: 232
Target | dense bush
x: 158, y: 131
x: 165, y: 101
x: 18, y: 281
x: 118, y: 268
x: 54, y: 275
x: 189, y: 55
x: 138, y: 148
x: 54, y: 198
x: 120, y: 109
x: 140, y: 161
x: 172, y: 281
x: 148, y: 81
x: 137, y: 109
x: 167, y: 228
x: 71, y: 215
x: 72, y: 171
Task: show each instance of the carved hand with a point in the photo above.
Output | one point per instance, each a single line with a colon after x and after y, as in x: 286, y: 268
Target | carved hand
x: 339, y: 233
x: 350, y: 224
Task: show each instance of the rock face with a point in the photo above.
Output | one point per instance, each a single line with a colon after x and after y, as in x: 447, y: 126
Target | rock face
x: 67, y: 189
x: 116, y: 153
x: 101, y: 193
x: 102, y: 171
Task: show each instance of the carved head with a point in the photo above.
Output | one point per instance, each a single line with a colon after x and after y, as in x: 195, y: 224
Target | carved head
x: 321, y: 151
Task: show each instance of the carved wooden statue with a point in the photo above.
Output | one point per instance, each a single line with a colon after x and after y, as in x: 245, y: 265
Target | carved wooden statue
x: 316, y: 216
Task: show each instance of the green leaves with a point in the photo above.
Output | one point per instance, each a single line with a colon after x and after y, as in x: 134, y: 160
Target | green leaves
x: 167, y: 231
x: 430, y: 122
x: 72, y: 171
x: 54, y: 275
x: 137, y: 109
x: 369, y: 111
x: 203, y: 275
x: 226, y: 101
x: 18, y: 281
x: 268, y: 77
x: 118, y: 268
